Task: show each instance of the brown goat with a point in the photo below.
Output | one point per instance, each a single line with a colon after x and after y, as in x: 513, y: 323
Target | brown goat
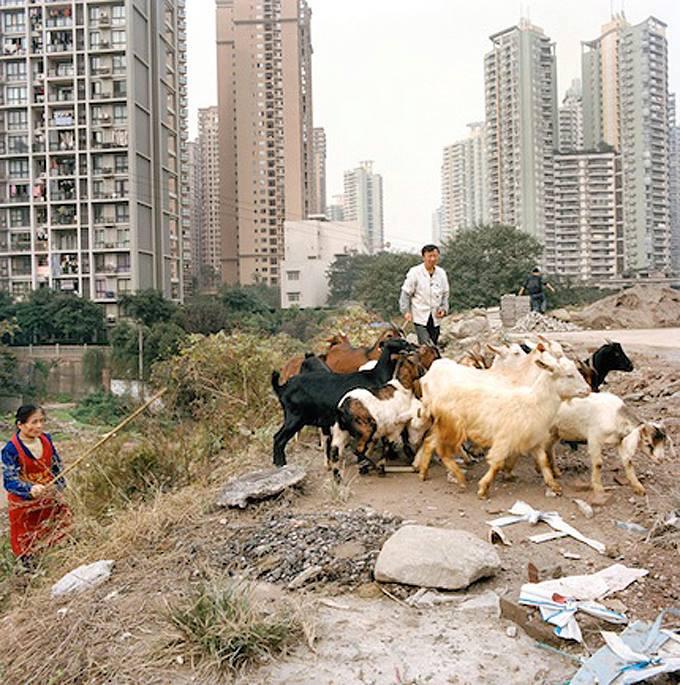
x: 344, y: 358
x: 292, y: 366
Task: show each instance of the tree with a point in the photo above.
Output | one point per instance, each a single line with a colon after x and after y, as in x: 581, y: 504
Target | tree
x: 48, y: 316
x: 205, y: 315
x: 148, y: 307
x: 487, y: 262
x: 373, y: 280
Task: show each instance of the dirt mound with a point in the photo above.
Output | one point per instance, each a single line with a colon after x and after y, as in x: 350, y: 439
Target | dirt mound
x: 642, y: 306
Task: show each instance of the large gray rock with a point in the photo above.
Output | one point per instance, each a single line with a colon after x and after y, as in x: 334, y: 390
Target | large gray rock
x: 435, y: 557
x: 260, y: 485
x: 471, y: 326
x: 83, y: 578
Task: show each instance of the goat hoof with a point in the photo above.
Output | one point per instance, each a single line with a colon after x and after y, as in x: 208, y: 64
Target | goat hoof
x: 381, y: 471
x: 483, y: 493
x: 556, y: 488
x: 639, y: 490
x: 364, y: 469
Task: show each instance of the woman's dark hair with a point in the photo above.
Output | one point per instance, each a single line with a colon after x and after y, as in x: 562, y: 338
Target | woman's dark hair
x: 24, y: 412
x: 429, y: 248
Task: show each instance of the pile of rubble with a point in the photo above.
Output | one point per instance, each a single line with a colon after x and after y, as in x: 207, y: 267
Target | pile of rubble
x: 642, y: 306
x: 535, y: 322
x: 337, y: 547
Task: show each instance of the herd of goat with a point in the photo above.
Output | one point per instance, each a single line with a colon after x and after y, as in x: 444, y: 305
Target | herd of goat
x: 512, y: 400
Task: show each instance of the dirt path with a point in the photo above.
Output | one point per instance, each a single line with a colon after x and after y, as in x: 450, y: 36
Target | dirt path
x: 662, y: 341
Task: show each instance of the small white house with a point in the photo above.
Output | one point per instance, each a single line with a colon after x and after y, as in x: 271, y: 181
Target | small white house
x: 311, y: 246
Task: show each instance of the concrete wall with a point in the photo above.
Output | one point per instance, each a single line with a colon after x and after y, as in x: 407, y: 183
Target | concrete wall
x: 65, y: 362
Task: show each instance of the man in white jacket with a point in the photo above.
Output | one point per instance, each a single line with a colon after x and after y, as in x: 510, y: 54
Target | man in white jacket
x: 424, y: 296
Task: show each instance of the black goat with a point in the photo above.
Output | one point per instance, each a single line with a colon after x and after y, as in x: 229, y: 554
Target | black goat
x: 311, y: 399
x: 609, y: 357
x: 312, y: 363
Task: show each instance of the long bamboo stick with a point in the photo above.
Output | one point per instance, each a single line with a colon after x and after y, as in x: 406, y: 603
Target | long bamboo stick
x: 108, y: 436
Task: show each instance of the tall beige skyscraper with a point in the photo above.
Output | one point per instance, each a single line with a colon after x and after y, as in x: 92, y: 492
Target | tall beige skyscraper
x: 625, y: 106
x: 318, y: 205
x: 194, y: 214
x: 674, y: 183
x: 210, y: 256
x: 265, y: 122
x: 464, y: 183
x: 521, y: 124
x: 92, y: 147
x: 363, y: 203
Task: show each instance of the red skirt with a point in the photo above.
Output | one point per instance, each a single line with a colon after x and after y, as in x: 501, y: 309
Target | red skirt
x: 36, y: 524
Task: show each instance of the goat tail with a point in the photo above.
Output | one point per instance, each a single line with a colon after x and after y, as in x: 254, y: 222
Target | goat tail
x: 275, y: 383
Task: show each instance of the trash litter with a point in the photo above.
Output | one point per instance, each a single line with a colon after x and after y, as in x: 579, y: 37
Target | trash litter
x: 571, y: 555
x: 496, y: 535
x: 83, y: 578
x: 545, y: 537
x: 631, y: 527
x: 558, y: 600
x: 522, y: 512
x: 641, y: 651
x: 584, y: 508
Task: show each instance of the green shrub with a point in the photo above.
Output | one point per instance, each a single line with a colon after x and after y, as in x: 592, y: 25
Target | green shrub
x: 101, y: 408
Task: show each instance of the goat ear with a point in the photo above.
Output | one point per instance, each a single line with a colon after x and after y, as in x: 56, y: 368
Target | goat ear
x: 541, y: 364
x: 608, y: 341
x: 417, y: 389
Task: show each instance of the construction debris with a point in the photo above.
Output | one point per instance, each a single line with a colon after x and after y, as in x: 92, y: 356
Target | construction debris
x: 83, y: 578
x: 535, y: 322
x: 560, y: 599
x: 259, y: 485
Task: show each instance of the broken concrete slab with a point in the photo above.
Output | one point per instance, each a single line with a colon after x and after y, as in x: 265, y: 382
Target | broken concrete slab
x: 435, y: 557
x: 258, y: 485
x: 486, y: 603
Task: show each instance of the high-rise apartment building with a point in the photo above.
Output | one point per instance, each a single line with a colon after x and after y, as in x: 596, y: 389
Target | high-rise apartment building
x: 318, y: 202
x: 363, y: 203
x: 571, y: 119
x: 265, y: 120
x: 210, y: 256
x: 588, y: 215
x: 335, y: 211
x: 625, y: 106
x: 521, y: 125
x: 464, y: 183
x: 194, y: 208
x: 674, y: 183
x: 92, y: 136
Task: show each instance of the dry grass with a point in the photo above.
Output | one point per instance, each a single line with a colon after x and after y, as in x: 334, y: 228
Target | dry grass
x: 222, y: 626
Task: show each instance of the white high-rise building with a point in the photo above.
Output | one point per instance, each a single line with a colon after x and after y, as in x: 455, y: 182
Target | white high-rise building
x: 625, y: 107
x: 674, y: 183
x: 464, y: 183
x: 92, y: 147
x: 363, y: 203
x: 521, y: 130
x: 335, y: 211
x: 588, y: 215
x: 571, y: 119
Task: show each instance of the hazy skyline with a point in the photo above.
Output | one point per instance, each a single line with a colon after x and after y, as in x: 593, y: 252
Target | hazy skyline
x: 395, y: 81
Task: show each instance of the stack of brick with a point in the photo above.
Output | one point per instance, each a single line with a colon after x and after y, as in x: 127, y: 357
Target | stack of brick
x: 513, y: 308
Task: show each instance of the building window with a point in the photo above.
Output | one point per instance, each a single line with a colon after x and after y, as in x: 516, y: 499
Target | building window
x: 17, y: 120
x: 95, y: 38
x: 18, y: 168
x: 119, y: 64
x: 293, y: 297
x: 16, y: 95
x: 122, y: 214
x: 121, y: 164
x: 118, y: 39
x: 118, y: 15
x: 15, y: 22
x: 120, y: 114
x: 16, y: 71
x: 293, y: 275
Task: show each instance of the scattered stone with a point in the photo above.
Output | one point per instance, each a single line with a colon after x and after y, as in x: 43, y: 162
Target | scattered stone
x: 561, y: 314
x: 511, y: 631
x: 584, y: 508
x: 83, y: 578
x: 435, y: 557
x: 307, y: 575
x: 486, y: 603
x: 570, y: 555
x: 428, y: 598
x: 535, y: 322
x: 289, y: 543
x: 259, y: 485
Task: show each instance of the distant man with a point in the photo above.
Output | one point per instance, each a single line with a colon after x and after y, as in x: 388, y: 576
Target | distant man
x: 534, y: 287
x: 424, y: 297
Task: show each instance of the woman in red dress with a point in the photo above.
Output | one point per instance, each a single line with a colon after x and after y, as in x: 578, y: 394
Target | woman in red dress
x: 37, y: 513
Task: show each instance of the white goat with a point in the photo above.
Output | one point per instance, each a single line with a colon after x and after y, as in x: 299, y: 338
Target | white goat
x: 603, y: 419
x: 508, y: 419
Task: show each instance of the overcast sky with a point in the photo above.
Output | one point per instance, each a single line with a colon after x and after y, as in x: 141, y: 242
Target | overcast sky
x: 396, y: 80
